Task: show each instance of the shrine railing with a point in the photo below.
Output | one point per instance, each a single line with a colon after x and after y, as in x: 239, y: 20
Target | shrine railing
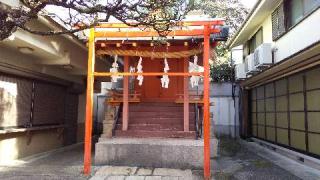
x: 117, y: 97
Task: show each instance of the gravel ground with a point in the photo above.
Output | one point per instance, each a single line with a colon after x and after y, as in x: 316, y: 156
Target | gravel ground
x: 238, y: 163
x: 234, y: 162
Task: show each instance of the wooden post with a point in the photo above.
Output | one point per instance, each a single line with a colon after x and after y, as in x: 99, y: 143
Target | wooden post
x: 186, y: 96
x: 125, y: 112
x: 206, y: 89
x: 245, y: 131
x: 89, y: 104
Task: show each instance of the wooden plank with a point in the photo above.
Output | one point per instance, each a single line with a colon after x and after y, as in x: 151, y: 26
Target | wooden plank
x: 146, y: 74
x: 125, y: 112
x: 186, y: 96
x: 191, y: 101
x: 39, y: 128
x: 129, y: 34
x: 182, y: 23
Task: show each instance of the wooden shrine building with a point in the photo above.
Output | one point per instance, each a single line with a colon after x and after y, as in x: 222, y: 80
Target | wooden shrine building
x: 156, y: 99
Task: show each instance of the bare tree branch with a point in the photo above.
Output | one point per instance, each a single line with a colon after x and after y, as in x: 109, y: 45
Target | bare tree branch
x: 156, y: 14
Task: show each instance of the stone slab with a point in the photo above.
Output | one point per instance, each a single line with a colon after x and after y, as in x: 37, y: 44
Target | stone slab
x: 153, y: 178
x: 172, y: 172
x: 158, y: 153
x: 144, y: 172
x: 132, y: 173
x: 116, y: 170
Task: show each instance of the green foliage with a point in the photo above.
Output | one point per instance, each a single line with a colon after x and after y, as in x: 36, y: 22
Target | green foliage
x: 222, y: 72
x: 232, y: 11
x: 234, y: 14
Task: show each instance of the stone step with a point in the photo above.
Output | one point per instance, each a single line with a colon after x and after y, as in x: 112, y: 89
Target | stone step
x: 155, y: 134
x: 155, y: 127
x: 158, y: 104
x: 157, y: 113
x: 155, y: 120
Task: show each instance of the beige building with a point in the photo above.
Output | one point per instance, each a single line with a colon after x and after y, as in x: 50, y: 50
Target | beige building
x: 42, y: 86
x: 279, y: 74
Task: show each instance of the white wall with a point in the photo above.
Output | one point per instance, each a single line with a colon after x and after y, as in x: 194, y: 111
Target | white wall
x: 301, y: 36
x: 237, y: 54
x: 267, y: 30
x: 223, y: 111
x: 298, y: 38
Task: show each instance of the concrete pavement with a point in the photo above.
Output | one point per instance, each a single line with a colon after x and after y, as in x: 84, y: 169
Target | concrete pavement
x: 235, y: 162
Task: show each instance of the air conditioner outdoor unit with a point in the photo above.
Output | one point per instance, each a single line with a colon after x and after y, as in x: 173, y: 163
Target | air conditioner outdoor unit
x: 240, y: 71
x: 249, y: 64
x: 263, y: 56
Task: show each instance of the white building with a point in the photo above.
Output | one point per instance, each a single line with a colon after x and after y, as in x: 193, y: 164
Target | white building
x: 279, y: 74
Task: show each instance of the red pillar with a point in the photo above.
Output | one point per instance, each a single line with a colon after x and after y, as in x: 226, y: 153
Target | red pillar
x: 89, y: 104
x: 125, y: 112
x: 206, y: 87
x: 186, y: 96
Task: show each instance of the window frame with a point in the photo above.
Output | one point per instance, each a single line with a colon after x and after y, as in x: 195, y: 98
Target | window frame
x: 287, y: 15
x: 254, y: 38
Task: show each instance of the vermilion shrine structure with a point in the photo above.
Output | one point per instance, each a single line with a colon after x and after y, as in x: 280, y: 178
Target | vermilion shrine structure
x: 143, y: 57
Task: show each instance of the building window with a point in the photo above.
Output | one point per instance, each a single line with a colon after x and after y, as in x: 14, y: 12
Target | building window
x: 310, y: 5
x: 295, y: 9
x: 289, y: 13
x: 255, y: 41
x: 278, y: 22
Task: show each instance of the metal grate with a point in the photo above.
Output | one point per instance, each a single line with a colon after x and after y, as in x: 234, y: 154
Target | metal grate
x: 49, y: 104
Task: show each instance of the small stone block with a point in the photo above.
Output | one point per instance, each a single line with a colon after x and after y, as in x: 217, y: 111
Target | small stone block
x: 144, y: 171
x: 114, y: 170
x: 115, y: 178
x: 106, y: 135
x: 153, y: 178
x: 98, y: 178
x: 172, y: 172
x: 135, y: 178
x: 170, y: 178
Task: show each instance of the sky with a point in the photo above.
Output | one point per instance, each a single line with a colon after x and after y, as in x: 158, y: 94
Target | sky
x: 248, y: 3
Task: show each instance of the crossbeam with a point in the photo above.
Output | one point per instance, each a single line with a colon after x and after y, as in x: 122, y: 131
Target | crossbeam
x: 101, y: 74
x: 183, y: 23
x: 129, y: 34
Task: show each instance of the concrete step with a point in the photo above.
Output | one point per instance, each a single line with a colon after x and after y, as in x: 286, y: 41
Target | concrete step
x: 155, y: 134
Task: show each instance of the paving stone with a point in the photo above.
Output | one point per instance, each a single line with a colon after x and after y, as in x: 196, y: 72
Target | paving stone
x: 172, y: 172
x: 169, y: 178
x: 116, y: 170
x: 144, y: 171
x: 116, y: 178
x: 98, y: 178
x: 135, y: 178
x: 153, y: 178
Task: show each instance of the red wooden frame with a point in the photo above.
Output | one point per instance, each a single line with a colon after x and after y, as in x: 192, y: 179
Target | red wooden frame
x: 208, y: 28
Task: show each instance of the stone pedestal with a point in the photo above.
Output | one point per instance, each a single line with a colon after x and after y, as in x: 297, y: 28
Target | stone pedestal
x: 109, y: 121
x: 164, y: 153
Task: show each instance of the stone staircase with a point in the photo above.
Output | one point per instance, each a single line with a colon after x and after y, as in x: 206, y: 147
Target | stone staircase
x: 156, y: 120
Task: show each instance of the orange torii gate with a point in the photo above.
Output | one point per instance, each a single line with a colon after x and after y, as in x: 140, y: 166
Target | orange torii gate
x: 207, y: 28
